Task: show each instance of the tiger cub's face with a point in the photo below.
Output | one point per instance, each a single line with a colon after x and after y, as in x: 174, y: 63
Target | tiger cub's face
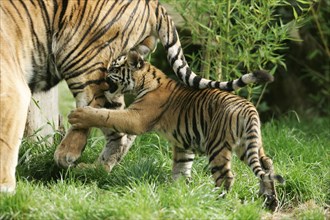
x: 120, y: 74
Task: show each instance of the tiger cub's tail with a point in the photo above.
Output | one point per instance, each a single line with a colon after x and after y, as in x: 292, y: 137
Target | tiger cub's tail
x: 258, y: 76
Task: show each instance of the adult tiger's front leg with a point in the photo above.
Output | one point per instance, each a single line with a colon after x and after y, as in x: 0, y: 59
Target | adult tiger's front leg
x: 74, y: 142
x: 71, y: 147
x: 14, y: 101
x: 117, y: 144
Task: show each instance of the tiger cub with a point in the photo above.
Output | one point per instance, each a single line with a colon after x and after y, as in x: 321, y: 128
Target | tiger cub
x: 209, y: 121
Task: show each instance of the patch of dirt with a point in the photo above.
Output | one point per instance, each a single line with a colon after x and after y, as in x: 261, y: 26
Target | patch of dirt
x: 293, y: 213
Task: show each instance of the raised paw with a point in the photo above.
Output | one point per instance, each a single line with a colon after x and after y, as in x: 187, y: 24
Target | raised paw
x: 82, y: 117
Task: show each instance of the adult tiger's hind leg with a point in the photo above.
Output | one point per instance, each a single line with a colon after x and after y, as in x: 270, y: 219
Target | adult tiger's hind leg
x: 14, y: 102
x: 182, y: 162
x: 117, y: 144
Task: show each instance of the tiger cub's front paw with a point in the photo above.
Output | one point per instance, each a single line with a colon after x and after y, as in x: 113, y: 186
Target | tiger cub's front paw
x: 82, y: 117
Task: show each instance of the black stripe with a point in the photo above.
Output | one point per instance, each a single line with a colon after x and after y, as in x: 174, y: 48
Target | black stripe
x: 109, y: 139
x: 251, y: 145
x: 113, y: 105
x: 229, y: 86
x: 158, y: 27
x: 251, y: 154
x: 187, y: 75
x: 84, y: 36
x: 240, y: 82
x: 174, y: 36
x: 196, y: 81
x: 87, y: 70
x: 36, y: 42
x: 195, y: 127
x: 253, y: 136
x: 17, y: 11
x: 74, y: 74
x: 50, y: 79
x: 217, y: 168
x: 187, y: 137
x: 143, y: 21
x: 257, y: 170
x: 243, y: 156
x: 82, y: 86
x: 81, y: 16
x: 112, y: 85
x: 45, y: 15
x: 222, y: 175
x: 32, y: 2
x: 184, y: 160
x: 63, y: 9
x: 175, y: 57
x: 255, y: 160
x: 216, y: 153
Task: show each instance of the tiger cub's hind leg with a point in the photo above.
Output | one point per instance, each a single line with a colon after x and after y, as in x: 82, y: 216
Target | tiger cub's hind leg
x: 262, y: 167
x: 182, y: 163
x: 267, y: 189
x: 220, y: 165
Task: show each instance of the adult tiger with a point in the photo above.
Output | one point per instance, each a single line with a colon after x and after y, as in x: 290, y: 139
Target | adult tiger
x: 209, y: 121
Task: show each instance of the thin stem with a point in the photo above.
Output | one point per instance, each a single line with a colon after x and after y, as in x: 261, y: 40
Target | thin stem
x: 324, y: 42
x: 261, y: 95
x: 206, y: 65
x: 227, y: 35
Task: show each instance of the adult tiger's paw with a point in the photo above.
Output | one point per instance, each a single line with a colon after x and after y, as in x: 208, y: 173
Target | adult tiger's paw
x: 71, y: 147
x: 8, y: 187
x: 82, y: 117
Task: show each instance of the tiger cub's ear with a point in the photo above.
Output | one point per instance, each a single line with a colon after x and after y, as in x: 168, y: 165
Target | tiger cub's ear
x: 135, y: 60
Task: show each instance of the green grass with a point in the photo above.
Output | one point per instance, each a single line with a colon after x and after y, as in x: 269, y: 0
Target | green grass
x: 140, y: 187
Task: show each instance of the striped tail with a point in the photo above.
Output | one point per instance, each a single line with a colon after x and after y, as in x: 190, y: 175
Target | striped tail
x: 258, y: 76
x: 169, y: 38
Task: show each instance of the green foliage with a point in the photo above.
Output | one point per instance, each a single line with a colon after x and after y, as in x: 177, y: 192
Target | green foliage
x: 317, y: 68
x: 237, y: 37
x: 140, y: 187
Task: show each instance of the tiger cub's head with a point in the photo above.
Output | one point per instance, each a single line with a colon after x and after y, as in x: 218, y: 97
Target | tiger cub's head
x: 120, y: 74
